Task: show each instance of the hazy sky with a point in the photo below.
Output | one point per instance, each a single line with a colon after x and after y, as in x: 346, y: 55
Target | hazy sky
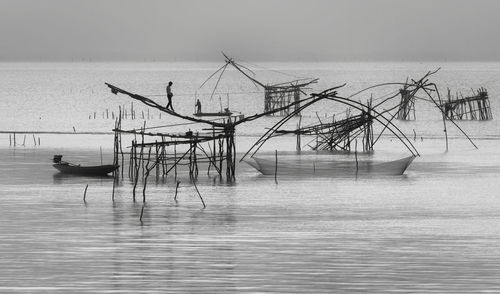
x: 309, y: 30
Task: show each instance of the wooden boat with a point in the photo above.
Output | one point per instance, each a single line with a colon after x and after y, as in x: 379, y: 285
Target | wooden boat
x: 290, y: 165
x: 76, y: 169
x: 98, y: 170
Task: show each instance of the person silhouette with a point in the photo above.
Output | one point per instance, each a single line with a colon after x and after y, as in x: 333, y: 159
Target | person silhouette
x: 198, y: 106
x: 169, y: 96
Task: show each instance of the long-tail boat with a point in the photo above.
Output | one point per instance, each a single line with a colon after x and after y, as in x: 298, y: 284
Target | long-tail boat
x: 76, y: 169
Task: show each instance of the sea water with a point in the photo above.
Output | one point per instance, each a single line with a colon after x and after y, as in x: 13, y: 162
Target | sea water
x: 432, y: 230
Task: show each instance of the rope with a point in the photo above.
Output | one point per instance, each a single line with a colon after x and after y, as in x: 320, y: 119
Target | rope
x: 192, y: 94
x: 273, y: 70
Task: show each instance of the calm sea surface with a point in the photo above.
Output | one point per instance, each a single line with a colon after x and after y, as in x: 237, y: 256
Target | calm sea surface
x: 433, y: 230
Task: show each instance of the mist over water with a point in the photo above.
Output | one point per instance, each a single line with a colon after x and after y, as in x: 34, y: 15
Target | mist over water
x: 432, y: 230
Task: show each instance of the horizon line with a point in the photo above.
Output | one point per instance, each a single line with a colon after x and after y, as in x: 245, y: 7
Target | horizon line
x: 249, y: 60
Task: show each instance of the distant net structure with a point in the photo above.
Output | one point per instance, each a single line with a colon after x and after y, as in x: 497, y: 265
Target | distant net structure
x: 456, y: 107
x: 278, y: 96
x: 406, y: 109
x: 475, y: 107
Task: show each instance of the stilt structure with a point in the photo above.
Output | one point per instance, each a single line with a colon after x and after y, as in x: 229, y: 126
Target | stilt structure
x: 215, y: 146
x: 475, y: 107
x: 168, y: 151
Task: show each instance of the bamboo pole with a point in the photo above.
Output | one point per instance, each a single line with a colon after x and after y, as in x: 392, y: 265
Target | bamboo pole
x: 176, y: 188
x: 163, y: 156
x: 276, y: 166
x: 142, y: 212
x: 114, y: 186
x: 145, y: 178
x: 356, y: 155
x: 201, y: 198
x: 85, y: 193
x: 137, y: 169
x: 175, y: 161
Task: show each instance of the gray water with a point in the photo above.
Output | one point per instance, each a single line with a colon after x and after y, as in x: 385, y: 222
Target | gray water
x: 432, y: 230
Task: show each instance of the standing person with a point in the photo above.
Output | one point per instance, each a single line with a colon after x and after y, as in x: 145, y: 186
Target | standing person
x: 169, y: 96
x: 198, y: 106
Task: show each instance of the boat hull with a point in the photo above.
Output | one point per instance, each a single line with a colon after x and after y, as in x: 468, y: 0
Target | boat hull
x: 99, y: 170
x: 330, y: 167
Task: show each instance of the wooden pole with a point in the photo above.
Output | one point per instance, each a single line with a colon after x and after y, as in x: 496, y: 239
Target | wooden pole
x: 114, y: 185
x: 163, y: 157
x: 148, y: 170
x: 176, y: 188
x: 142, y: 212
x: 130, y: 160
x: 121, y: 148
x: 138, y: 163
x: 201, y: 198
x: 356, y: 155
x: 175, y: 161
x: 221, y: 155
x: 298, y: 147
x: 234, y: 157
x: 276, y: 167
x: 85, y: 193
x: 191, y: 159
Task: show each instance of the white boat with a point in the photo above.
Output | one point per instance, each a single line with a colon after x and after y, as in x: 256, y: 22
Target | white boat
x: 329, y: 165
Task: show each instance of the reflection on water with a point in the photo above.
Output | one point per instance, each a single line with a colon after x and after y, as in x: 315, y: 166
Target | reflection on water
x: 61, y: 178
x: 433, y: 230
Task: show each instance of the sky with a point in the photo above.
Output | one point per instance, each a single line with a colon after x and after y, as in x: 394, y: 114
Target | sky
x: 258, y: 30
